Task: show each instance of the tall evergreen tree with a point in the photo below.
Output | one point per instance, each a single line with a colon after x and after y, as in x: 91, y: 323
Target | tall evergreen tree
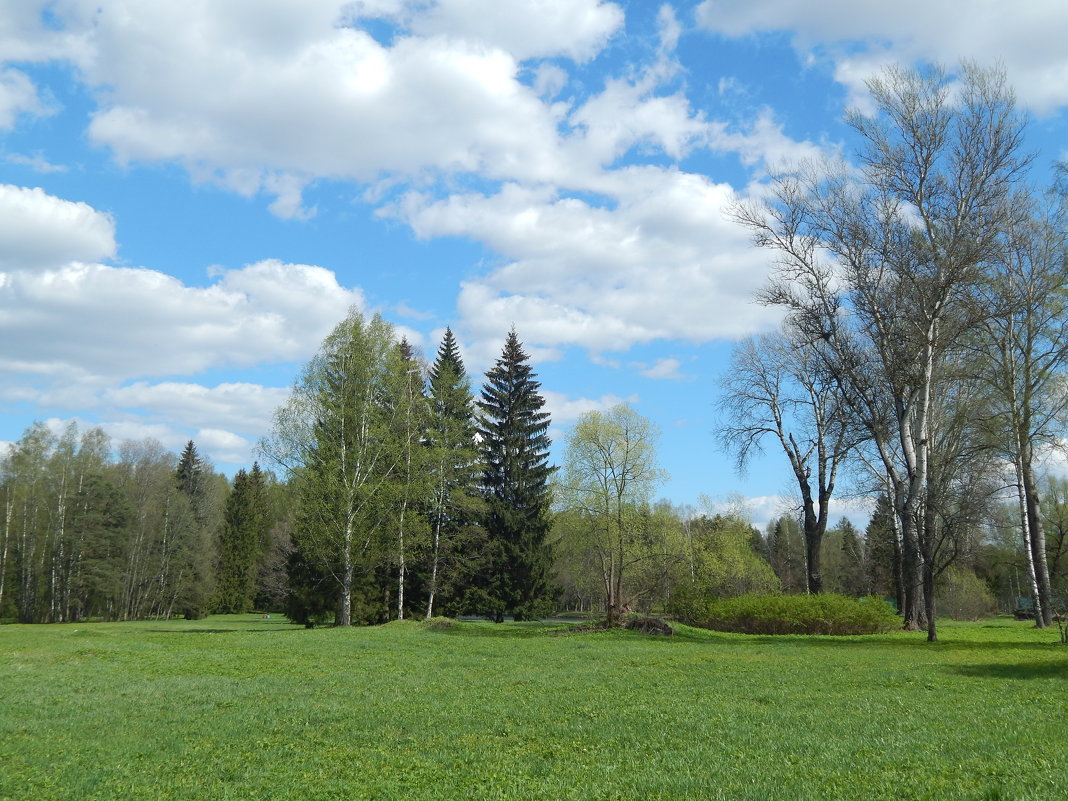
x: 242, y: 541
x: 786, y: 553
x: 191, y: 544
x: 882, y: 544
x: 454, y: 467
x: 515, y: 484
x: 189, y: 474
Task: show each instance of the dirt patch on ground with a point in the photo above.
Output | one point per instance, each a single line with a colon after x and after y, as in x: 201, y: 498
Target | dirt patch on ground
x: 642, y: 625
x: 648, y: 625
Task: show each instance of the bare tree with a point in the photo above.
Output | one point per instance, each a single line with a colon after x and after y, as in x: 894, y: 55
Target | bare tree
x: 877, y: 263
x: 775, y: 387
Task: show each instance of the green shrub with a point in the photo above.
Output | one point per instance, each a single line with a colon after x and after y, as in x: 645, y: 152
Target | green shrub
x: 962, y: 595
x: 825, y: 613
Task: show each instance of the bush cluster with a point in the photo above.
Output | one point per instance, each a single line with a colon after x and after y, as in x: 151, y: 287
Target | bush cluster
x: 962, y: 595
x: 825, y: 613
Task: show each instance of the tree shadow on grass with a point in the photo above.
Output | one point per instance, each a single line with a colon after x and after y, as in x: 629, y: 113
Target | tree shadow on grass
x: 913, y: 642
x: 1047, y: 670
x: 221, y: 631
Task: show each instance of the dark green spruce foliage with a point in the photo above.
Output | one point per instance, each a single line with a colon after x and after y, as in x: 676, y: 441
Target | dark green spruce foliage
x: 242, y: 541
x: 515, y: 453
x: 454, y: 467
x: 192, y: 478
x: 189, y: 475
x: 101, y: 514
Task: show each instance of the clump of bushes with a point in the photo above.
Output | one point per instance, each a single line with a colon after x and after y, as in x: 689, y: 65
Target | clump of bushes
x: 962, y: 595
x: 825, y: 613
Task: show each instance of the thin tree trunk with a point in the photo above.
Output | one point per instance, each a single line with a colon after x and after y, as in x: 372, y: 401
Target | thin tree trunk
x: 1025, y: 530
x: 401, y: 567
x: 8, y: 509
x: 434, y: 569
x: 347, y: 571
x: 1037, y: 542
x: 898, y: 567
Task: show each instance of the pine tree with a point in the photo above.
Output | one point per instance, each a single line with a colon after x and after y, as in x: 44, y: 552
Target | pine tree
x: 515, y: 453
x: 454, y: 467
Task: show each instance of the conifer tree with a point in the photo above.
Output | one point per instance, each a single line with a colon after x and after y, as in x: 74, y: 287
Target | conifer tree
x: 190, y: 471
x: 515, y: 453
x: 241, y: 541
x: 189, y: 548
x: 453, y: 464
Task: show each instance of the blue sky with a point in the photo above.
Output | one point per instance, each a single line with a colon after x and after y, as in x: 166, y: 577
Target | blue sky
x: 192, y: 193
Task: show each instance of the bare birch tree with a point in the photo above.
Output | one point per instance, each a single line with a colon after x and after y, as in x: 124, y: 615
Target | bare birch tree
x: 1024, y: 345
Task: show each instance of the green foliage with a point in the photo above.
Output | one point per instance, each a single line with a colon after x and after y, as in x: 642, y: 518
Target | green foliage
x: 609, y: 475
x: 86, y: 535
x: 242, y: 542
x: 455, y: 505
x: 823, y: 613
x: 883, y: 563
x: 720, y: 562
x: 313, y: 595
x: 843, y: 561
x: 786, y: 553
x: 189, y: 474
x: 337, y: 437
x: 961, y: 595
x: 515, y: 576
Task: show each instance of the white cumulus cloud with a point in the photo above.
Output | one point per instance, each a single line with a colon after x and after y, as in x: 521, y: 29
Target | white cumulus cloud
x: 662, y: 263
x: 39, y: 230
x: 862, y: 37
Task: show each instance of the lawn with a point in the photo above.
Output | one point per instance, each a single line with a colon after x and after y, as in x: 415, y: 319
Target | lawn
x: 237, y: 707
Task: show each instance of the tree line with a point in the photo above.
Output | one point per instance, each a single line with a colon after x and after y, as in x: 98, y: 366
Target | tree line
x: 398, y: 493
x: 920, y: 361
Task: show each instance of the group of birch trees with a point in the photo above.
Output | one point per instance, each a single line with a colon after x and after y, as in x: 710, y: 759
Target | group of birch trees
x: 924, y: 342
x: 410, y: 496
x: 92, y: 531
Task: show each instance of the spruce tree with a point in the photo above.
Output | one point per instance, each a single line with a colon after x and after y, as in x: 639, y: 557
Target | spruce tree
x: 454, y: 471
x: 194, y: 524
x: 189, y: 474
x: 515, y: 484
x: 242, y: 541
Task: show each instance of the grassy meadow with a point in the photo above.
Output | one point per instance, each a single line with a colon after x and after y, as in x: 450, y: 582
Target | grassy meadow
x: 238, y: 707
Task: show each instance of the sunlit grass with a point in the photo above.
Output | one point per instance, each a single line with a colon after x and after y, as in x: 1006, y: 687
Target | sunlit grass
x: 244, y: 708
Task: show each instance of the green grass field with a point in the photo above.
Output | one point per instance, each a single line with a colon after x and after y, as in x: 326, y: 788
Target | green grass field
x: 237, y: 707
